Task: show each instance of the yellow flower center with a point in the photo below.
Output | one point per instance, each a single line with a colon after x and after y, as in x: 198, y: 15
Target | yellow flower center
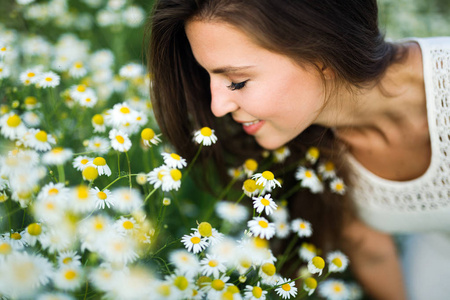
x: 41, y: 136
x: 176, y: 174
x: 213, y: 263
x: 269, y: 269
x: 84, y: 161
x: 329, y: 166
x: 337, y: 261
x: 48, y: 79
x: 128, y: 225
x: 302, y: 225
x: 16, y: 236
x: 318, y: 262
x: 286, y: 287
x: 125, y: 110
x: 308, y: 174
x: 245, y: 263
x: 339, y: 186
x: 34, y: 229
x: 265, y: 202
x: 251, y: 164
x: 147, y: 134
x: 175, y: 156
x: 30, y: 100
x: 206, y: 131
x: 97, y: 145
x: 263, y: 224
x: 81, y: 88
x: 70, y: 274
x: 98, y: 119
x: 250, y: 185
x: 120, y: 139
x: 337, y: 288
x: 311, y: 283
x: 313, y: 152
x: 195, y: 240
x: 218, y: 284
x: 205, y: 229
x: 88, y: 99
x: 102, y: 195
x: 260, y: 243
x: 257, y: 292
x: 98, y: 225
x: 227, y: 295
x: 53, y: 191
x: 67, y: 260
x: 3, y: 49
x: 160, y: 175
x: 82, y: 192
x: 13, y: 121
x: 164, y: 290
x: 268, y: 175
x: 50, y: 206
x: 90, y: 173
x: 57, y: 150
x: 232, y: 289
x: 181, y: 283
x: 99, y: 161
x: 5, y: 248
x: 78, y: 65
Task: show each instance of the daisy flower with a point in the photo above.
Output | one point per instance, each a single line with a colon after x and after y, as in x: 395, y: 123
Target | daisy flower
x: 81, y: 162
x: 287, y: 289
x: 309, y: 285
x: 281, y: 154
x: 334, y: 289
x: 301, y: 227
x: 79, y: 91
x: 266, y: 179
x: 327, y: 170
x: 54, y: 295
x: 267, y: 272
x: 31, y: 102
x: 215, y: 237
x: 337, y: 186
x: 205, y: 136
x: 182, y: 283
x: 265, y: 203
x: 98, y: 123
x: 126, y: 226
x: 57, y: 156
x: 131, y: 70
x: 54, y: 191
x: 254, y: 292
x: 250, y: 188
x: 280, y: 214
x: 216, y: 287
x: 81, y: 200
x: 282, y: 229
x: 149, y: 137
x: 316, y: 265
x: 250, y: 166
x: 5, y: 249
x: 119, y: 140
x: 194, y: 242
x: 231, y: 212
x: 309, y: 179
x: 127, y: 200
x: 69, y: 259
x: 118, y: 249
x: 32, y: 233
x: 102, y: 198
x: 90, y: 173
x: 120, y: 115
x: 30, y: 76
x: 94, y: 229
x: 155, y: 177
x: 312, y: 155
x: 235, y: 173
x: 307, y: 251
x: 68, y: 278
x: 98, y: 144
x: 77, y: 70
x: 15, y: 239
x: 102, y: 167
x: 337, y: 261
x: 261, y: 227
x: 12, y: 126
x: 171, y: 180
x: 186, y: 262
x: 22, y: 274
x: 89, y: 99
x: 31, y: 119
x: 48, y: 79
x: 4, y: 71
x: 173, y: 160
x: 212, y: 265
x: 38, y: 140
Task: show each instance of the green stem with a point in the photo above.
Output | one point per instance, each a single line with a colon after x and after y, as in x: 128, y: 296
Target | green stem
x: 192, y: 162
x: 287, y: 252
x: 118, y: 162
x: 129, y: 167
x: 61, y: 174
x: 289, y: 193
x: 149, y: 195
x: 115, y: 180
x: 240, y: 198
x: 227, y: 188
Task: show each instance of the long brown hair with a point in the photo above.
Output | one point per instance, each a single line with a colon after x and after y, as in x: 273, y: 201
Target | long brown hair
x: 342, y: 35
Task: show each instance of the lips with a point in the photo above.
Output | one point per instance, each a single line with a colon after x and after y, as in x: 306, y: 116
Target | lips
x: 252, y: 127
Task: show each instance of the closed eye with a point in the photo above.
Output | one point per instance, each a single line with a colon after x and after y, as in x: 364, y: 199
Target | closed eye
x: 237, y: 86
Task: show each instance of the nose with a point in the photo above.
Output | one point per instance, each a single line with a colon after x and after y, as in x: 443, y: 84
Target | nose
x: 222, y: 101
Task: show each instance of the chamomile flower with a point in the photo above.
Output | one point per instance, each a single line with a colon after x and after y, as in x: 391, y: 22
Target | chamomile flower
x: 76, y: 92
x: 57, y: 156
x: 268, y: 273
x: 182, y: 283
x: 301, y: 227
x: 5, y: 249
x: 149, y: 137
x: 171, y: 180
x: 194, y: 242
x: 54, y: 191
x: 173, y: 160
x: 4, y: 71
x: 287, y: 289
x: 102, y: 198
x: 38, y: 140
x: 81, y: 162
x: 260, y: 227
x: 15, y: 239
x: 89, y: 99
x: 231, y: 212
x: 98, y: 123
x: 185, y: 262
x: 205, y: 136
x: 118, y: 249
x: 126, y: 226
x: 32, y: 233
x: 30, y: 76
x: 254, y: 292
x: 127, y: 200
x: 334, y: 289
x: 266, y: 179
x: 265, y: 203
x: 48, y: 80
x: 337, y: 186
x: 98, y: 144
x: 69, y: 259
x: 155, y: 177
x: 312, y: 155
x: 78, y: 70
x: 216, y: 287
x: 31, y: 119
x: 250, y: 166
x: 307, y: 251
x: 327, y: 170
x: 90, y: 173
x: 281, y: 154
x: 131, y: 70
x: 309, y: 285
x: 316, y: 265
x: 337, y: 261
x: 120, y: 115
x: 54, y: 295
x: 133, y: 16
x: 309, y: 179
x: 250, y: 188
x: 93, y: 230
x: 68, y: 278
x: 212, y: 265
x: 12, y: 126
x: 81, y: 201
x: 102, y: 167
x: 236, y: 173
x: 119, y: 140
x: 282, y: 229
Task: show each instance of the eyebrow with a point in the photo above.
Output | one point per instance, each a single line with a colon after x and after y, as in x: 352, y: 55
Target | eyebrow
x: 229, y: 69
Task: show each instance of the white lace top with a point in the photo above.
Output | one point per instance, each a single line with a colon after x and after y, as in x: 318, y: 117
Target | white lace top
x: 422, y: 204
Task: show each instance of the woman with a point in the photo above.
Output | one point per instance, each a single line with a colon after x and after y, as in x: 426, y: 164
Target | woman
x: 320, y: 72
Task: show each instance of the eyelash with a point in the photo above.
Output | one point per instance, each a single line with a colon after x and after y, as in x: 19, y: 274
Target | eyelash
x: 237, y: 86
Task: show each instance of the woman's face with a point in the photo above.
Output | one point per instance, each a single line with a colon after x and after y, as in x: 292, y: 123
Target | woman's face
x: 272, y: 97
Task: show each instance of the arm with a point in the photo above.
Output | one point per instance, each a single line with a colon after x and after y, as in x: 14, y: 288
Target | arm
x: 374, y: 261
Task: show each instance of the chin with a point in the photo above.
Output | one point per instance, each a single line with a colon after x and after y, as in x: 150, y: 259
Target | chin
x: 270, y: 144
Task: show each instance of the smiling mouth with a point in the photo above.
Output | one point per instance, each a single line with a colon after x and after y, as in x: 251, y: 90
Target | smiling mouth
x: 251, y: 123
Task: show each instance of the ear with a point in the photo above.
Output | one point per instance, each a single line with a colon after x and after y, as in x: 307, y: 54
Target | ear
x: 328, y: 73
